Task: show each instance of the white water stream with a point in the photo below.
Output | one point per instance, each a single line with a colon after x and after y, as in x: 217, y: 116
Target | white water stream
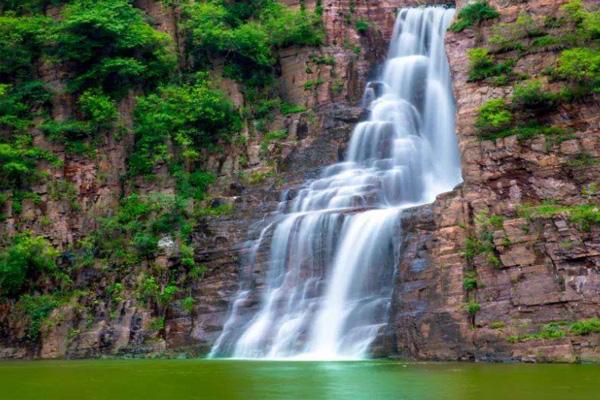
x: 332, y: 249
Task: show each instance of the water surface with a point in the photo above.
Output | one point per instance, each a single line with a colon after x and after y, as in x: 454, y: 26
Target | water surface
x: 218, y: 379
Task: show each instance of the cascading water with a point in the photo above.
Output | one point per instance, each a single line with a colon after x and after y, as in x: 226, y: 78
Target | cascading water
x: 332, y: 248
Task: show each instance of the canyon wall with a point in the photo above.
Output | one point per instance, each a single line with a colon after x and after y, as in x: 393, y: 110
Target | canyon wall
x: 543, y: 269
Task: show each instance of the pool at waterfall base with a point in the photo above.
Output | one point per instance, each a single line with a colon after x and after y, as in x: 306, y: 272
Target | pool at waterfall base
x: 225, y: 379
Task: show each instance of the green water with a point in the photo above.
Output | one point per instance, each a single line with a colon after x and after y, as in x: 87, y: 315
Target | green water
x: 200, y: 379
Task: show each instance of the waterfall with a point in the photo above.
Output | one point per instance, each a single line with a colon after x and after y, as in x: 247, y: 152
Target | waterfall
x: 332, y: 249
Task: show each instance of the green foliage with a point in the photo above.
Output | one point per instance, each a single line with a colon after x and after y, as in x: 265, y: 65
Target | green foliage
x: 216, y: 211
x: 135, y: 230
x: 110, y: 46
x: 192, y: 116
x: 558, y: 330
x: 494, y: 116
x: 97, y: 108
x: 35, y: 310
x: 531, y: 96
x: 472, y: 307
x: 586, y: 215
x: 497, y: 325
x: 19, y: 103
x: 18, y: 162
x: 362, y: 26
x: 288, y: 109
x: 27, y: 7
x: 192, y: 184
x: 473, y: 14
x: 322, y: 59
x: 271, y: 137
x: 197, y: 272
x: 483, y: 242
x: 24, y: 260
x: 583, y: 160
x: 115, y: 291
x: 246, y: 35
x: 470, y: 281
x: 580, y: 65
x: 313, y: 83
x: 186, y: 256
x: 585, y: 327
x: 482, y: 66
x: 188, y: 304
x: 508, y: 36
x: 21, y: 42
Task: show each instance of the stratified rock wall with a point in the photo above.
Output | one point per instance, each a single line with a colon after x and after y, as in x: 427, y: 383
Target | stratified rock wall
x: 543, y: 270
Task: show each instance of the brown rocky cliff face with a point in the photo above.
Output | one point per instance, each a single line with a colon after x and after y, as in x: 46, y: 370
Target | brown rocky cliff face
x: 92, y: 324
x: 548, y: 267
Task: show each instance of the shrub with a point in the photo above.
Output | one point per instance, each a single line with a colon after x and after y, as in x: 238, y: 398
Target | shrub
x: 246, y: 36
x: 483, y: 66
x: 192, y: 116
x: 192, y: 184
x: 271, y: 137
x: 531, y: 96
x: 198, y: 271
x: 362, y: 26
x: 494, y: 116
x: 21, y: 42
x: 188, y: 304
x: 585, y: 327
x: 287, y: 108
x: 137, y: 226
x: 507, y: 36
x: 470, y: 282
x: 97, y: 108
x: 473, y: 14
x: 27, y: 7
x: 111, y: 47
x: 287, y: 27
x: 27, y: 258
x: 585, y: 215
x: 18, y: 164
x: 472, y: 307
x: 35, y: 310
x: 580, y: 65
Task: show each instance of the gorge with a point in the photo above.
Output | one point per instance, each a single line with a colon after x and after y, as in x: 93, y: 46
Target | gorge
x: 163, y: 194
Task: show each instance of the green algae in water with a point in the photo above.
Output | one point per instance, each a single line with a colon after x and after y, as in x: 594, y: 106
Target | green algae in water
x: 218, y: 379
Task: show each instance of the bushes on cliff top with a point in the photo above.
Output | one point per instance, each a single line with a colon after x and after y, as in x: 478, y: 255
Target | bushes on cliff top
x: 193, y: 117
x: 473, y: 14
x: 246, y: 36
x: 110, y: 46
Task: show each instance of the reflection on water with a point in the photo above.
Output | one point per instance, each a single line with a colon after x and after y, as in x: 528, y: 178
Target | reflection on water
x: 214, y: 379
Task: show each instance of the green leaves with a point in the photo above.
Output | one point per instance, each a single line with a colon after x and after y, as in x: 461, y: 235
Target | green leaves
x: 111, y: 46
x: 25, y: 259
x: 246, y: 35
x: 473, y: 14
x: 494, y: 116
x: 21, y: 42
x: 192, y: 116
